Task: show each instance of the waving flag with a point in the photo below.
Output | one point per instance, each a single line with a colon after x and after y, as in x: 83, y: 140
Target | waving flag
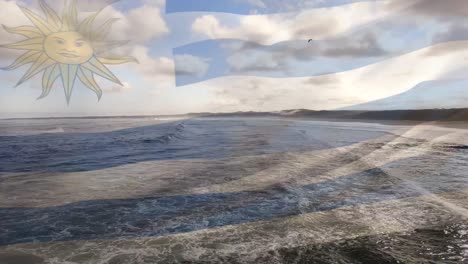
x: 277, y: 184
x: 323, y: 45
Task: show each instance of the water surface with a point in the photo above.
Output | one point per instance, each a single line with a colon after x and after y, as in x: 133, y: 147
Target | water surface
x: 231, y: 190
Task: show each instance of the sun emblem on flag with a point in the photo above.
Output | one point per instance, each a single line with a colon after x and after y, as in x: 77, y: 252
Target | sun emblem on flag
x: 66, y: 48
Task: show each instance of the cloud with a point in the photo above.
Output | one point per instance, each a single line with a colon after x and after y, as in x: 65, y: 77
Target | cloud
x: 332, y: 91
x: 255, y: 61
x: 364, y: 45
x: 438, y: 8
x: 455, y: 30
x: 316, y: 23
x: 191, y: 65
x: 158, y: 71
x: 251, y: 57
x: 138, y: 25
x: 328, y: 80
x: 126, y: 87
x: 245, y: 95
x: 93, y: 5
x: 145, y: 23
x: 255, y: 28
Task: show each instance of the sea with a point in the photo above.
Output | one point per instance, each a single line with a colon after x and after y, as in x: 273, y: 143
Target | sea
x: 232, y: 190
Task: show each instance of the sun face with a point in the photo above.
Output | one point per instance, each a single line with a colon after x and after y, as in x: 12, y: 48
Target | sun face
x: 68, y: 48
x: 63, y: 47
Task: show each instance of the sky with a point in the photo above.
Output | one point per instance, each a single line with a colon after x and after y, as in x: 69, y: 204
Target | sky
x: 255, y: 55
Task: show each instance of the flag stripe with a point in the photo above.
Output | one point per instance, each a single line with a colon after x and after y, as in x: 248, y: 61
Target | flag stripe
x: 245, y: 7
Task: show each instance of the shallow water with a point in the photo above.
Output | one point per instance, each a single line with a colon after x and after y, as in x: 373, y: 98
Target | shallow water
x: 233, y: 190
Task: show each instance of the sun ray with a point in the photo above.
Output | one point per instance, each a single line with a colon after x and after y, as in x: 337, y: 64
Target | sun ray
x: 73, y: 13
x: 104, y: 29
x: 26, y: 31
x: 50, y: 76
x: 104, y: 47
x: 68, y: 73
x: 28, y: 44
x: 87, y: 78
x: 26, y: 58
x: 114, y: 59
x: 39, y: 22
x: 69, y: 19
x: 100, y: 69
x: 39, y: 65
x: 51, y: 15
x: 86, y: 26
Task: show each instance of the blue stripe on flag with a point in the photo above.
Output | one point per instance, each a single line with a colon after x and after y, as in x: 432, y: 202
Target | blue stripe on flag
x: 244, y: 7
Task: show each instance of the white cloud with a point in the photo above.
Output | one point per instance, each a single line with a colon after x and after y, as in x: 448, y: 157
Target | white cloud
x: 247, y: 57
x: 157, y: 71
x: 254, y: 60
x: 145, y: 23
x: 255, y: 28
x: 114, y: 88
x: 316, y: 23
x: 139, y: 25
x: 433, y: 8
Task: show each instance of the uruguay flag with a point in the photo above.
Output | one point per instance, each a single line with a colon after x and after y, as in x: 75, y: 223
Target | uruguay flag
x: 372, y: 49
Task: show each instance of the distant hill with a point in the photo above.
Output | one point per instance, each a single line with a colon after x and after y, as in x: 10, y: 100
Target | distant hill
x: 428, y: 101
x: 423, y: 115
x: 395, y: 115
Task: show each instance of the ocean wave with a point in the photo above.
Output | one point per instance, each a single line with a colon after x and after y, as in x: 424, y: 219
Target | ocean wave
x: 458, y: 147
x: 173, y: 134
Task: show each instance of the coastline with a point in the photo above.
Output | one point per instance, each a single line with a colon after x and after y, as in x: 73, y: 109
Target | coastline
x: 452, y: 117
